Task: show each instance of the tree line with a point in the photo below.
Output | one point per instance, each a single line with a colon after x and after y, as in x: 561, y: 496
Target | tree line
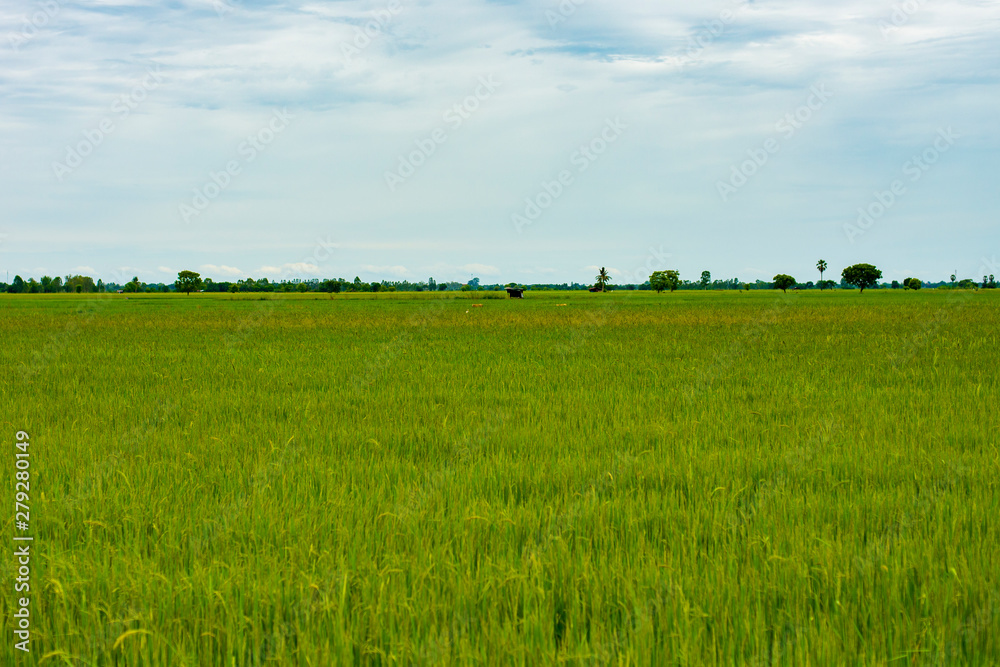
x: 863, y: 276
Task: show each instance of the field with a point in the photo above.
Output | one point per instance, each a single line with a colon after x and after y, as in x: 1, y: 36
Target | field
x: 629, y: 478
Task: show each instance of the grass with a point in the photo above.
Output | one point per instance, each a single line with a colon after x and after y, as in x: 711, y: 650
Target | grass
x: 688, y: 478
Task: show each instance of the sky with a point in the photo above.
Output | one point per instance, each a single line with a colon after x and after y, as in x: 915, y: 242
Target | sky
x: 510, y: 141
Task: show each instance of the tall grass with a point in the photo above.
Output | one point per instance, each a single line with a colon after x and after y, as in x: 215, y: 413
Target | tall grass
x: 692, y: 478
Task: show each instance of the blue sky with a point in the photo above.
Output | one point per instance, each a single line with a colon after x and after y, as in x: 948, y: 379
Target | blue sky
x: 513, y: 141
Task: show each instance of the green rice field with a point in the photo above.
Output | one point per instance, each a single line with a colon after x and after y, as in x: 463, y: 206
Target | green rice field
x: 695, y: 478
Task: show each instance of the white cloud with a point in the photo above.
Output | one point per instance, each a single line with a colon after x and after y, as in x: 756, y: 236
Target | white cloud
x: 291, y: 269
x: 223, y: 270
x: 301, y: 267
x: 397, y: 270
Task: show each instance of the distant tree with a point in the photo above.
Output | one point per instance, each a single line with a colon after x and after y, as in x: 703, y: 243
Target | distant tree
x: 895, y: 284
x: 84, y: 283
x: 431, y: 284
x: 603, y: 279
x: 33, y: 287
x: 17, y: 287
x: 821, y: 265
x: 302, y: 287
x: 46, y: 283
x: 658, y: 281
x: 706, y: 279
x: 133, y: 285
x: 953, y: 278
x: 912, y: 283
x: 233, y: 288
x: 100, y: 285
x: 442, y: 287
x: 861, y: 275
x: 967, y: 283
x: 332, y: 286
x: 783, y: 281
x: 188, y: 281
x: 990, y: 283
x: 661, y: 280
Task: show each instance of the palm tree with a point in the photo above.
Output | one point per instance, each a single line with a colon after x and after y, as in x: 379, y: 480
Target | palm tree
x: 603, y: 279
x: 821, y: 265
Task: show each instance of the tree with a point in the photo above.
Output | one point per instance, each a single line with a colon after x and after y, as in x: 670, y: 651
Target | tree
x: 17, y: 287
x: 861, y: 275
x: 79, y: 284
x: 967, y: 283
x: 783, y: 281
x: 431, y: 284
x: 821, y: 265
x: 188, y: 281
x: 912, y: 283
x: 706, y: 279
x: 603, y: 279
x: 661, y: 280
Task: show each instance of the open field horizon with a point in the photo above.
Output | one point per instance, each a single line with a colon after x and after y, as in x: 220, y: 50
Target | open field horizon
x: 689, y: 478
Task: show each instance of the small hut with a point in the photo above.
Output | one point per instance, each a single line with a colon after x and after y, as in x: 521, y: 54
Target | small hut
x: 515, y: 292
